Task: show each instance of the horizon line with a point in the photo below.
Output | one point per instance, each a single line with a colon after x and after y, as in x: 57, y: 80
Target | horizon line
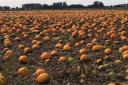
x: 62, y: 1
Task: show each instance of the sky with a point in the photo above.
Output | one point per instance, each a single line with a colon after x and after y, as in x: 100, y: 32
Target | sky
x: 15, y: 3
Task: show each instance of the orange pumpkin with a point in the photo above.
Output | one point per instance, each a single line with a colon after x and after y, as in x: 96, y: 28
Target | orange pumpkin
x: 125, y: 52
x: 77, y: 44
x: 7, y: 43
x: 83, y: 51
x: 84, y: 57
x: 47, y: 38
x: 99, y: 61
x: 25, y: 36
x: 125, y: 48
x: 108, y: 51
x: 39, y: 71
x: 23, y: 59
x: 113, y: 36
x: 42, y: 78
x: 21, y: 46
x: 27, y: 49
x: 7, y: 37
x: 38, y: 37
x: 125, y: 56
x: 45, y: 55
x: 62, y: 59
x: 89, y: 45
x: 97, y: 47
x: 8, y: 54
x: 59, y: 45
x: 54, y: 53
x: 23, y: 71
x: 35, y: 46
x: 17, y: 38
x: 34, y: 41
x: 67, y: 47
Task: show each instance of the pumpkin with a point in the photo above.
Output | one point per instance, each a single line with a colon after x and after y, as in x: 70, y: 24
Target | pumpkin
x: 17, y: 38
x: 77, y: 44
x: 106, y: 58
x: 108, y: 51
x: 7, y: 37
x: 125, y: 52
x: 8, y: 54
x: 7, y: 43
x: 23, y: 71
x: 42, y: 78
x: 39, y: 71
x: 125, y: 56
x: 123, y: 32
x: 89, y: 45
x: 118, y: 62
x: 99, y: 61
x: 124, y: 38
x: 21, y: 46
x: 97, y: 47
x: 45, y: 55
x: 67, y: 47
x: 34, y: 41
x: 54, y: 53
x: 59, y: 45
x: 62, y: 59
x: 84, y: 57
x: 113, y: 36
x: 27, y: 49
x: 125, y: 48
x: 83, y: 51
x: 46, y: 38
x: 25, y: 36
x: 37, y: 37
x: 35, y: 46
x: 23, y: 59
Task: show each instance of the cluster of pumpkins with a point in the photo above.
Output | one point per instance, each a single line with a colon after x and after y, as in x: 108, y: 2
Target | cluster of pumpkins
x: 86, y: 31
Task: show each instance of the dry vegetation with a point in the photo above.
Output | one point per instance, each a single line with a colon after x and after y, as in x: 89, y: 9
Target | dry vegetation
x: 84, y: 47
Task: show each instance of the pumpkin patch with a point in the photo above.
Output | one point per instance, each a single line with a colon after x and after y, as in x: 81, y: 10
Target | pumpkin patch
x: 76, y: 47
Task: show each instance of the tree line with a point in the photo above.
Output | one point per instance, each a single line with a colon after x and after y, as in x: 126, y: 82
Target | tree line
x: 62, y: 5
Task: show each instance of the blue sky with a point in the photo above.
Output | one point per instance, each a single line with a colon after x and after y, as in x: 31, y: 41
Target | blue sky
x: 14, y: 3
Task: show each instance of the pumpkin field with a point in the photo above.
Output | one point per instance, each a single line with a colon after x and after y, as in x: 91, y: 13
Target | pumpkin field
x: 64, y: 47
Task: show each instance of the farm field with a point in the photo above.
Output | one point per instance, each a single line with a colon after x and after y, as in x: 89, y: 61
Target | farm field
x: 64, y: 47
